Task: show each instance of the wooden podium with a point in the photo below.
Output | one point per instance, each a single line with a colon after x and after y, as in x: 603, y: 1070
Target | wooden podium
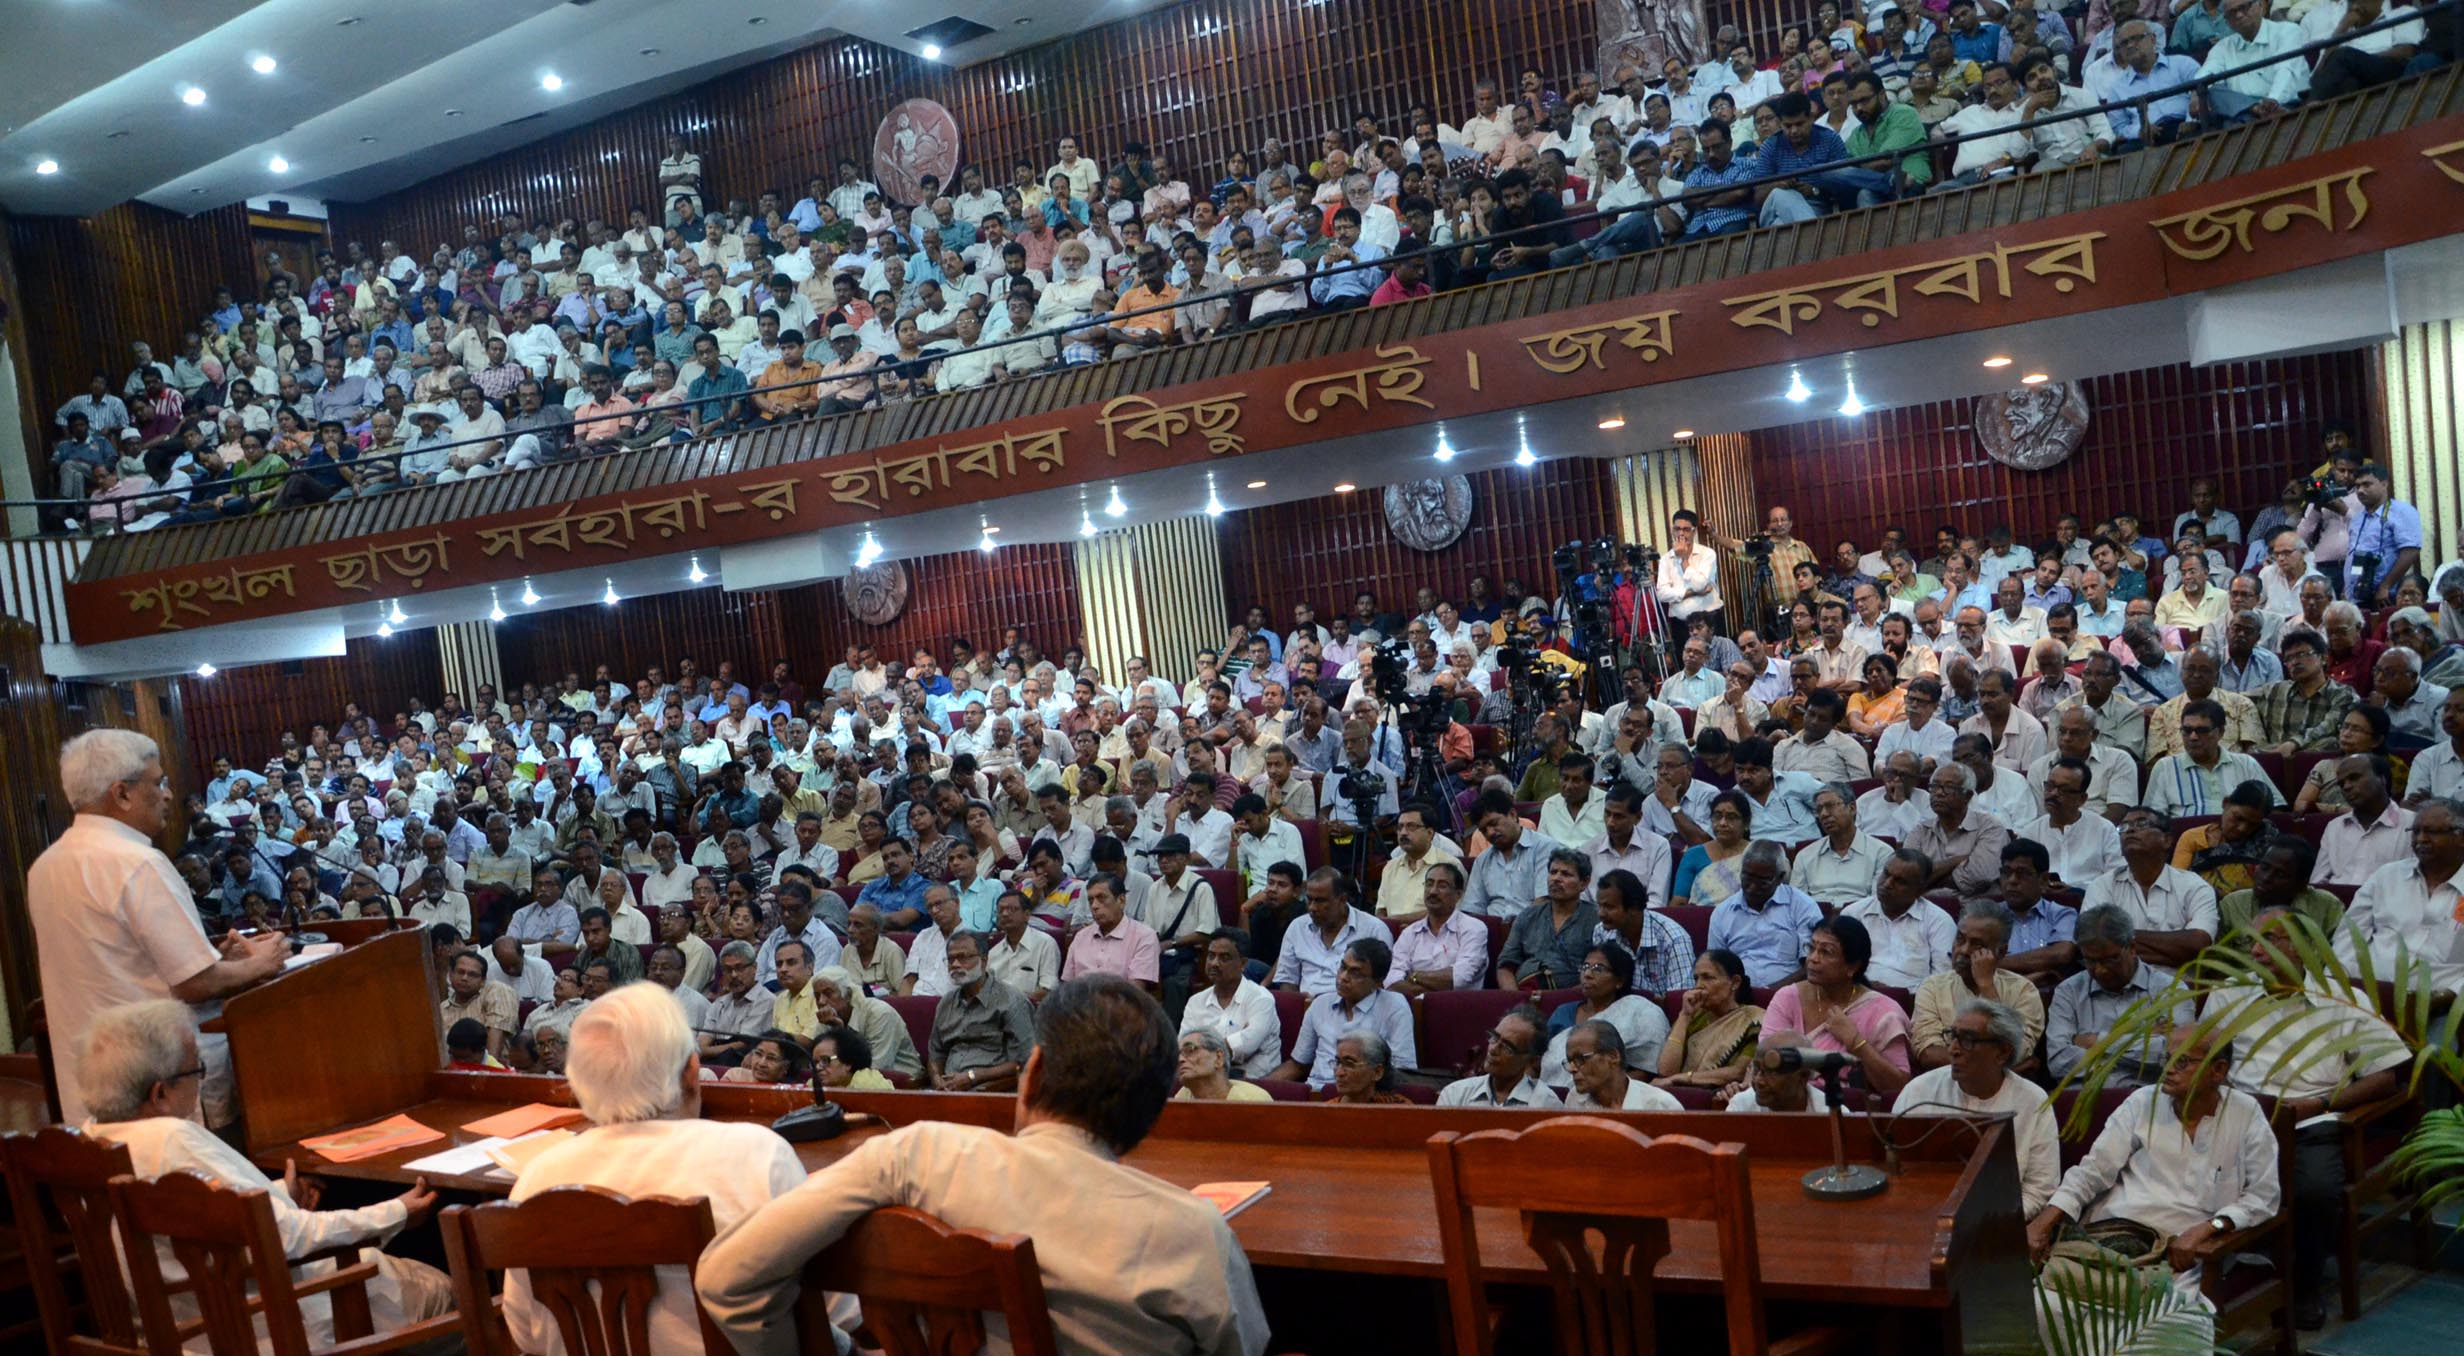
x: 349, y: 1038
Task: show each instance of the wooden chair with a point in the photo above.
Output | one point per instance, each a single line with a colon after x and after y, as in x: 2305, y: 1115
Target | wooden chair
x: 228, y: 1245
x: 60, y: 1175
x: 925, y: 1286
x: 568, y: 1239
x: 1605, y: 1306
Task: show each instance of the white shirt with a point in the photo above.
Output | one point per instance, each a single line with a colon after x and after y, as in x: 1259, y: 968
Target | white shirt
x: 2287, y: 1054
x: 1746, y: 1101
x: 1571, y: 826
x: 1475, y: 1091
x: 1646, y: 855
x: 1830, y: 875
x: 2178, y: 902
x: 2350, y: 852
x: 113, y: 924
x: 1248, y: 1024
x: 2145, y: 1168
x: 1908, y: 949
x: 1210, y: 836
x: 1691, y: 585
x: 2396, y: 908
x: 1984, y: 150
x: 2113, y: 778
x: 2085, y: 851
x: 2038, y: 1141
x: 2438, y: 771
x: 1030, y: 967
x: 1640, y: 1096
x: 1934, y: 741
x: 1876, y: 812
x: 736, y: 1167
x: 672, y: 886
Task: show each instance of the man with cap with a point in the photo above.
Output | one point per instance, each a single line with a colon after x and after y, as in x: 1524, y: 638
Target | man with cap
x: 786, y: 390
x: 424, y: 452
x: 846, y: 385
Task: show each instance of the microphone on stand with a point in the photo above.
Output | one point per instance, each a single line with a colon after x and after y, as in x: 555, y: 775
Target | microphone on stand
x: 1843, y: 1180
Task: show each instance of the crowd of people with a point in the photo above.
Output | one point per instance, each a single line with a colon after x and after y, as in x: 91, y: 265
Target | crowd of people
x: 528, y: 342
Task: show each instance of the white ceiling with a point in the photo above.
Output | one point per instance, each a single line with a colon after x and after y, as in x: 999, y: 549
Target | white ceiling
x: 408, y: 89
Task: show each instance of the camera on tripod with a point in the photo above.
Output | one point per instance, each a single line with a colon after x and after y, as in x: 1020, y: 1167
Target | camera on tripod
x: 1757, y: 547
x: 2323, y: 490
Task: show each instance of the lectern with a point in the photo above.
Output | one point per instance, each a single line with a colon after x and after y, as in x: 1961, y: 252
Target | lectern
x: 349, y: 1038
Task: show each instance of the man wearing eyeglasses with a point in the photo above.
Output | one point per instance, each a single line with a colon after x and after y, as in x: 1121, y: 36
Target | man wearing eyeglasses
x: 2265, y: 92
x: 2150, y: 79
x: 114, y: 924
x: 1509, y: 1075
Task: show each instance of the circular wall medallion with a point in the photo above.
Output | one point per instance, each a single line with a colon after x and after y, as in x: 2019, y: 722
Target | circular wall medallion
x: 2033, y: 427
x: 918, y: 138
x: 1427, y: 515
x: 876, y: 594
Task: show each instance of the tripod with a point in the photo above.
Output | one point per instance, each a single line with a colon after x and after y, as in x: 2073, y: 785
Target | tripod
x: 1758, y: 591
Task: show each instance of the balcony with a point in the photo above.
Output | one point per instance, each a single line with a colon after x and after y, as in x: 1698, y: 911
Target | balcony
x: 2334, y: 181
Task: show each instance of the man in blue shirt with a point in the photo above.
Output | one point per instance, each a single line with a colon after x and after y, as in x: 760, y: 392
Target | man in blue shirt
x: 2386, y: 540
x: 1767, y: 923
x: 1972, y: 39
x: 2151, y: 80
x: 1343, y: 291
x: 1723, y: 212
x: 718, y: 392
x: 898, y: 892
x: 1806, y: 164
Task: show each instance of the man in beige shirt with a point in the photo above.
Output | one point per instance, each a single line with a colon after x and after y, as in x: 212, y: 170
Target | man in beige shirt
x: 470, y: 993
x: 1129, y: 1262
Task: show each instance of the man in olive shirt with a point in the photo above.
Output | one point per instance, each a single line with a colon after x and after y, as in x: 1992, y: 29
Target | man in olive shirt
x: 2281, y: 880
x: 983, y: 1029
x: 1884, y: 125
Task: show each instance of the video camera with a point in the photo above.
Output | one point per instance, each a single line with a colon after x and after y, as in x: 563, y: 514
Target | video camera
x: 2323, y: 491
x: 1757, y: 547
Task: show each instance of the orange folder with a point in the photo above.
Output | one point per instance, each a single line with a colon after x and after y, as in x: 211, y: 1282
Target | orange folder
x: 523, y: 1120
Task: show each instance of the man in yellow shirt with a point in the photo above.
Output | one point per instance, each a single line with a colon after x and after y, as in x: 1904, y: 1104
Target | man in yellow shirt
x: 779, y: 406
x: 1156, y: 326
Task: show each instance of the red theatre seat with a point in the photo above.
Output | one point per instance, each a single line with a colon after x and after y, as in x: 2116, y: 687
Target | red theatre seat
x: 917, y: 1013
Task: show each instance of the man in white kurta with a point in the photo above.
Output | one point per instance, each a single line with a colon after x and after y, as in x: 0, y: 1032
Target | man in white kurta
x: 1986, y: 1040
x: 1130, y: 1263
x: 648, y: 1143
x: 114, y: 923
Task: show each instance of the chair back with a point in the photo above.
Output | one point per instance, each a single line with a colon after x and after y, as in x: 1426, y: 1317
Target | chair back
x: 60, y: 1176
x: 227, y: 1243
x: 926, y: 1287
x: 1550, y: 1174
x: 592, y: 1256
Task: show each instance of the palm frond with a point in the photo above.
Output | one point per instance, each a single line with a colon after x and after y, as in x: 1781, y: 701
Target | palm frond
x: 2103, y: 1310
x: 2432, y: 1157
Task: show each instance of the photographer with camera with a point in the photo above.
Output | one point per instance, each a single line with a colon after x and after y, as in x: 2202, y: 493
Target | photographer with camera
x: 2386, y: 539
x: 2327, y: 524
x: 1361, y: 782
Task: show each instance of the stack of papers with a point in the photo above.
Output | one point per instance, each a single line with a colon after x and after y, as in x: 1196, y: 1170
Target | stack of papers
x: 523, y: 1120
x: 495, y: 1157
x: 371, y: 1141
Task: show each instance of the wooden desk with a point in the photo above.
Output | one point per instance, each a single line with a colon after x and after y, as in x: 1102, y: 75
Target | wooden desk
x: 1352, y: 1195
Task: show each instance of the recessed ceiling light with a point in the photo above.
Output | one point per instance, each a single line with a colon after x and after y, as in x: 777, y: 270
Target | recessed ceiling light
x: 119, y: 135
x: 47, y: 167
x: 1682, y: 434
x: 1346, y: 487
x: 650, y: 51
x: 346, y: 23
x: 757, y: 21
x: 551, y: 82
x: 453, y: 112
x: 2034, y: 379
x: 365, y: 140
x: 1998, y: 360
x: 263, y: 65
x: 1798, y: 392
x: 932, y: 51
x: 1614, y: 421
x: 1020, y: 23
x: 192, y: 96
x: 198, y: 191
x: 278, y: 165
x: 1257, y: 484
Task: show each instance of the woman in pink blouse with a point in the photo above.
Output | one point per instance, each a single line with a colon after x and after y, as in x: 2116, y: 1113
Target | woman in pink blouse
x: 1831, y: 1009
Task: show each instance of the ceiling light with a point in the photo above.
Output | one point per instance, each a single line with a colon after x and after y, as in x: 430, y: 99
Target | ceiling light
x: 610, y: 597
x: 650, y: 51
x: 1445, y: 450
x: 263, y: 65
x: 530, y: 596
x: 551, y: 82
x: 869, y: 552
x: 2034, y: 379
x: 1682, y: 434
x: 346, y: 23
x: 1524, y: 456
x: 699, y: 574
x: 192, y: 96
x: 1998, y: 360
x: 1612, y: 423
x: 1113, y: 507
x: 47, y: 167
x: 757, y: 20
x: 205, y: 670
x: 278, y: 165
x: 1086, y: 522
x: 932, y: 51
x: 1257, y: 484
x: 366, y: 140
x: 1798, y: 391
x: 1345, y: 487
x: 453, y: 112
x: 384, y: 628
x: 496, y: 607
x: 986, y: 544
x: 397, y: 616
x: 1214, y: 504
x: 1851, y: 407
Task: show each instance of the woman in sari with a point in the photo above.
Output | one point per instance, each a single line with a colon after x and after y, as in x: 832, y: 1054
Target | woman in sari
x: 1881, y: 702
x: 1710, y: 872
x: 1832, y: 1009
x: 1716, y: 1029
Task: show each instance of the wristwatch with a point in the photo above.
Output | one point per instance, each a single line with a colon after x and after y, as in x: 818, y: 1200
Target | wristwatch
x: 2222, y: 1224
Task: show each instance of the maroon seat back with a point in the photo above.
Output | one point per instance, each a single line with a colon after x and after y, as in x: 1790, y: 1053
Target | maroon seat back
x: 917, y: 1012
x: 1457, y: 1023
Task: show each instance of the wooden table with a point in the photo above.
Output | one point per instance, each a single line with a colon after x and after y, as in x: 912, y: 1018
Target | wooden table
x: 1352, y: 1195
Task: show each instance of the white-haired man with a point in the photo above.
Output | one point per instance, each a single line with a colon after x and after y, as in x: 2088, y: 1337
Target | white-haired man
x: 114, y: 923
x: 139, y: 1071
x: 635, y: 1073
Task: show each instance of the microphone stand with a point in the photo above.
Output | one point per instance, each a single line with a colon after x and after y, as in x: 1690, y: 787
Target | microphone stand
x: 1843, y: 1180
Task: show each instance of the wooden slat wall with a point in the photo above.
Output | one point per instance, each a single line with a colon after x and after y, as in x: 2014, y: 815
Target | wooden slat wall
x: 964, y: 595
x: 1760, y: 21
x: 1196, y: 80
x: 2418, y: 379
x: 2151, y: 432
x: 1322, y: 551
x: 1155, y: 590
x: 710, y: 624
x: 91, y: 286
x: 241, y: 713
